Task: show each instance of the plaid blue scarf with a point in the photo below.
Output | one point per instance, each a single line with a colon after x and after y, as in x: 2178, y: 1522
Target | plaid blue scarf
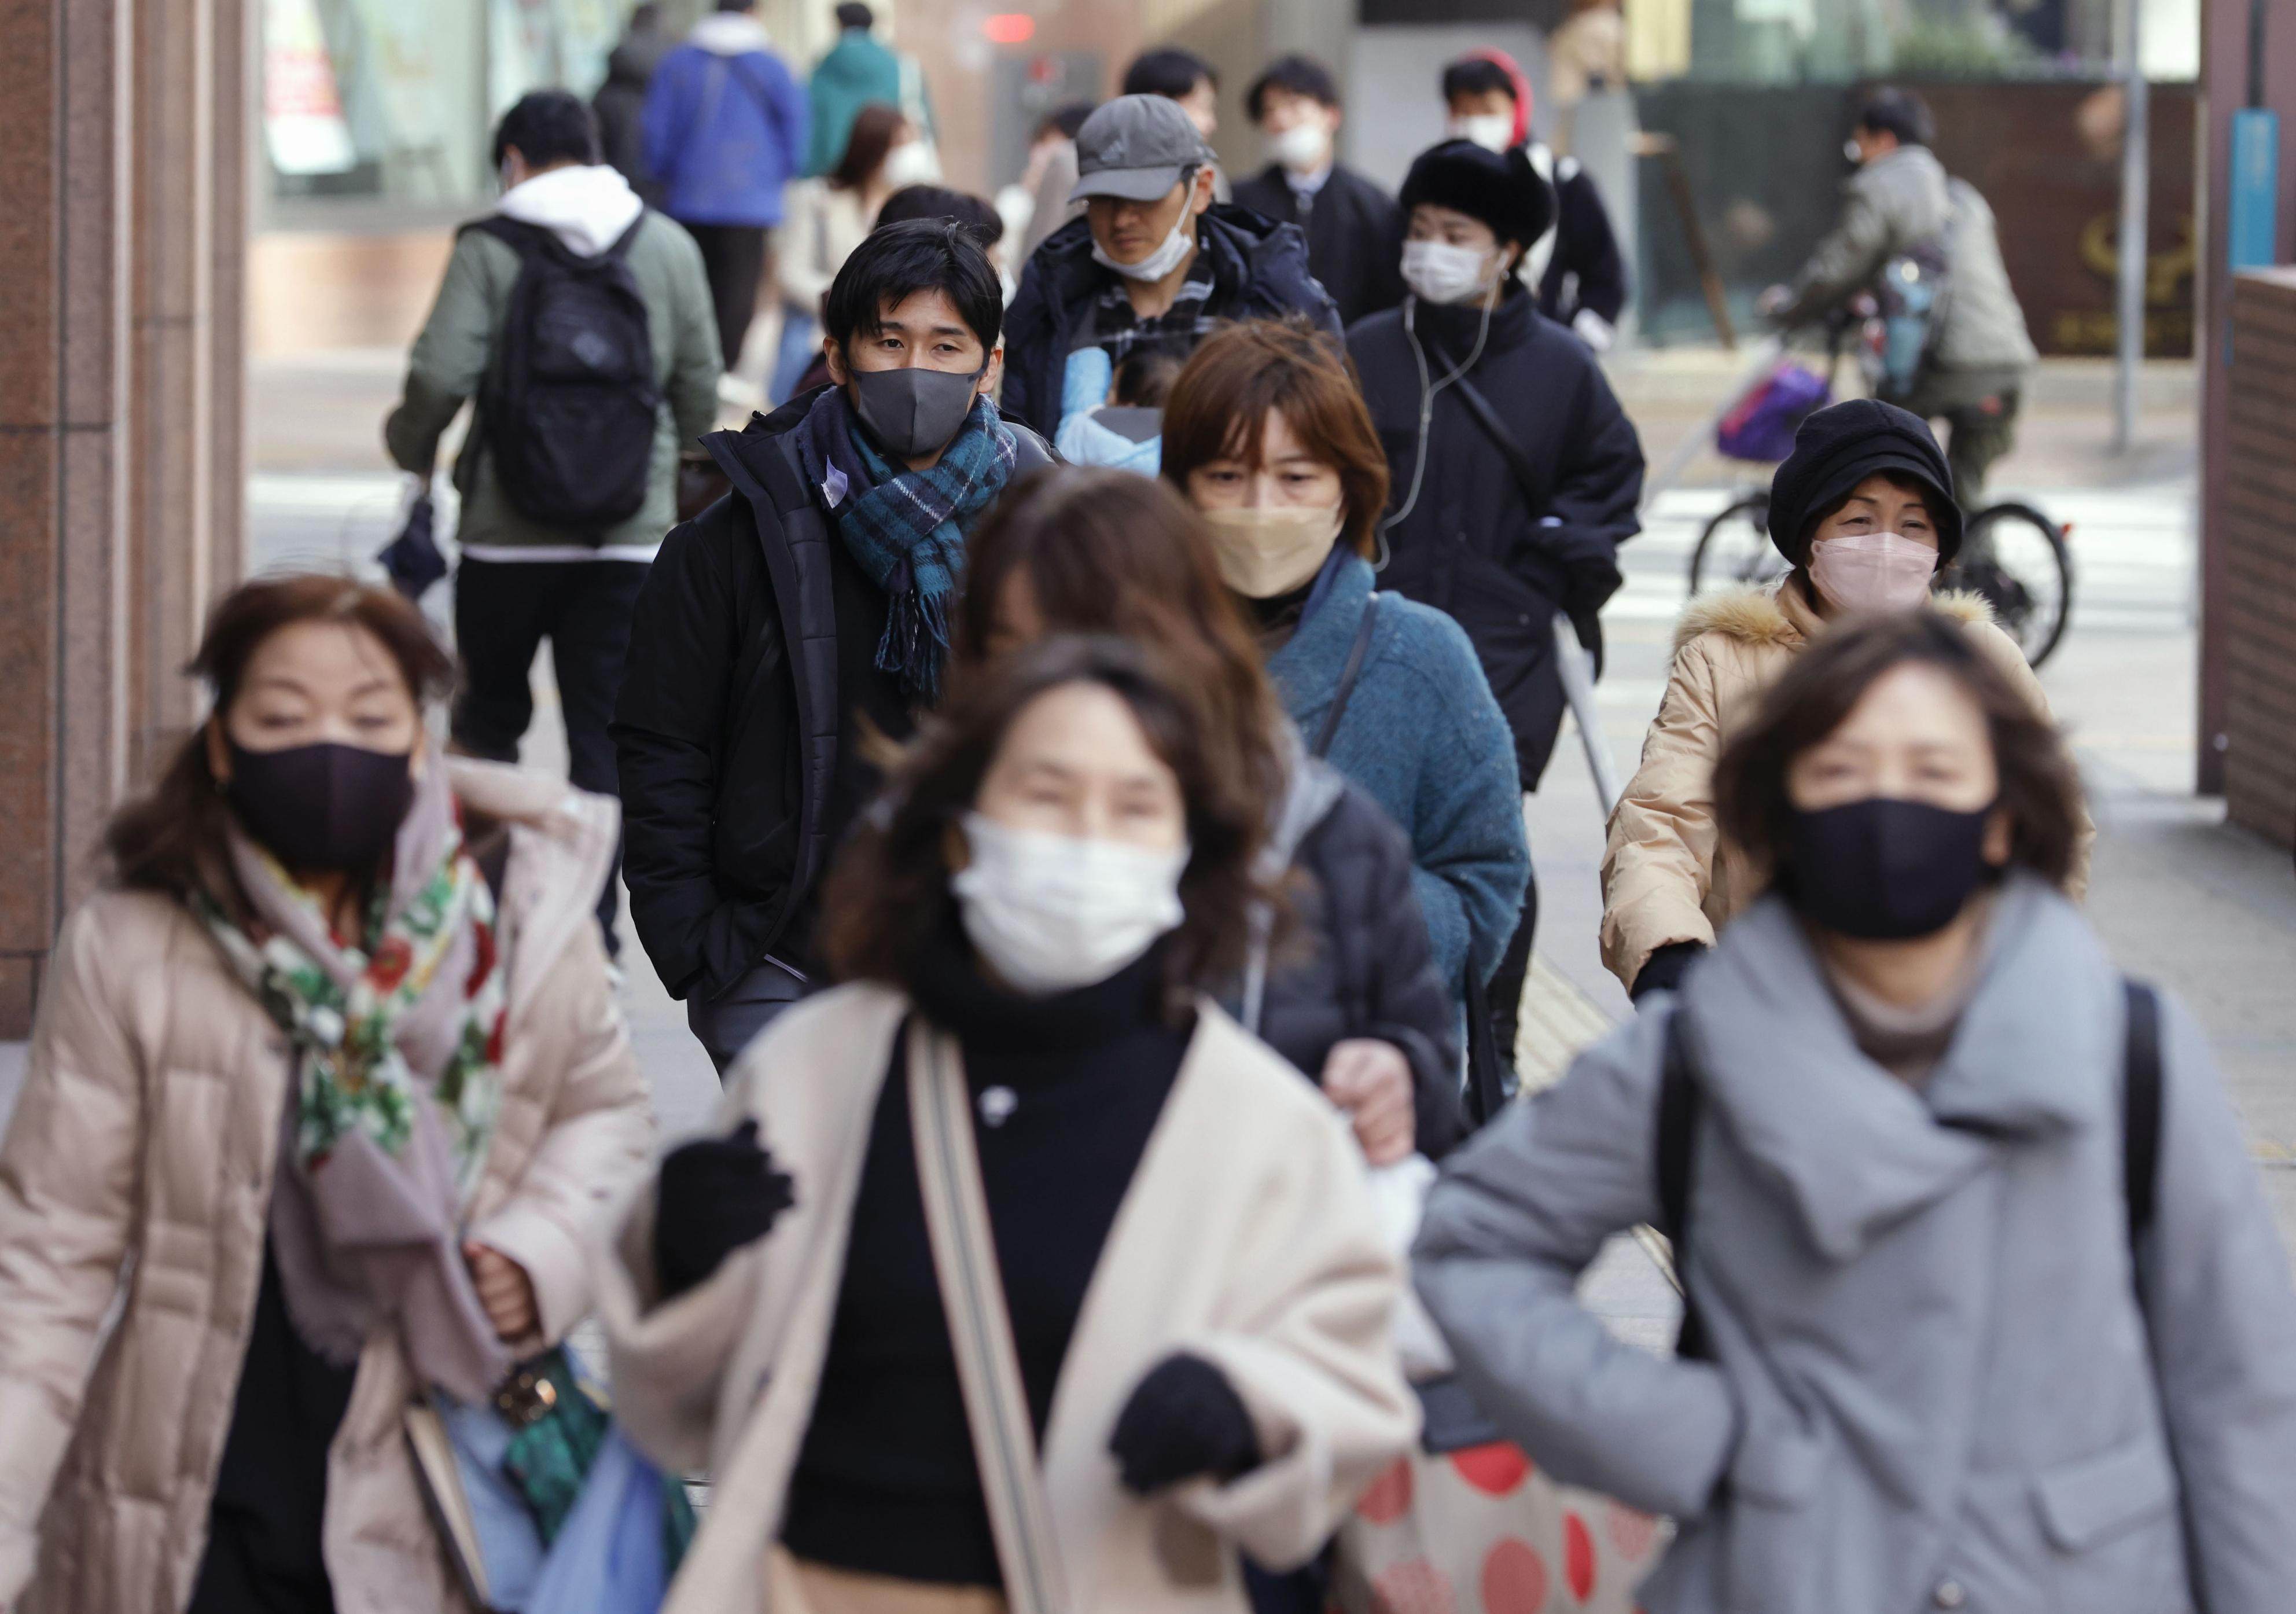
x: 906, y: 527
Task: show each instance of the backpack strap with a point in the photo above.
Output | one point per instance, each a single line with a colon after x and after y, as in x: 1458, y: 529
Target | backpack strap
x: 2141, y: 1102
x: 1680, y: 1100
x: 1329, y: 729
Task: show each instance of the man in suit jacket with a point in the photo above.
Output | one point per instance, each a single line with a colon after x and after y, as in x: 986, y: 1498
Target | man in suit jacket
x: 1354, y: 231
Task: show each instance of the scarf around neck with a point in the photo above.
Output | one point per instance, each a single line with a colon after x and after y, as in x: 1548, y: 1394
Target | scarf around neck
x: 906, y: 529
x: 397, y: 1038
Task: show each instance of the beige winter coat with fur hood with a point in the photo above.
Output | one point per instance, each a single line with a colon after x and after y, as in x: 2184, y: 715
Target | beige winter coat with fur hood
x: 141, y: 1154
x: 1666, y: 877
x: 1247, y: 1237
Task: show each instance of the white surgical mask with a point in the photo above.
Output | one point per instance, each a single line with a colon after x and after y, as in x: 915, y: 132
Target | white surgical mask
x: 1492, y: 131
x: 1274, y: 549
x: 1438, y: 271
x: 909, y: 163
x: 1870, y: 571
x: 1158, y: 263
x: 1303, y: 148
x: 1052, y: 913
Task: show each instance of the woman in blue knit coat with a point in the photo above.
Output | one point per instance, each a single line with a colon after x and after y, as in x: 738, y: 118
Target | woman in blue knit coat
x: 1267, y: 434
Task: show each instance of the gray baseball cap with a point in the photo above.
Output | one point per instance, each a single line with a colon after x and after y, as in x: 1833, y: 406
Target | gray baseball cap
x: 1137, y: 147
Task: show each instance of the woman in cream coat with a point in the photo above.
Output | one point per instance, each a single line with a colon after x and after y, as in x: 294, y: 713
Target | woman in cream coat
x: 156, y: 1168
x: 1193, y: 1277
x: 1866, y: 482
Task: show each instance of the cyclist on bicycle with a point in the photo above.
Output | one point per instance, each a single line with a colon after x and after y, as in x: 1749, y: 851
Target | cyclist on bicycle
x: 1900, y: 205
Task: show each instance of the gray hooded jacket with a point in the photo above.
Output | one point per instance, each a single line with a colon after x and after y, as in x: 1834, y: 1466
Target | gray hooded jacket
x: 1898, y: 202
x: 1933, y: 1385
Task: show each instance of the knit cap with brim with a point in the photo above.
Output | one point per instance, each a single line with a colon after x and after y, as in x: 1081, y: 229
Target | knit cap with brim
x: 1839, y: 448
x: 1499, y: 188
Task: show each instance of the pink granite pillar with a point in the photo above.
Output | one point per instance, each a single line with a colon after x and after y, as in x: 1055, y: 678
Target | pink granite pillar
x: 120, y: 397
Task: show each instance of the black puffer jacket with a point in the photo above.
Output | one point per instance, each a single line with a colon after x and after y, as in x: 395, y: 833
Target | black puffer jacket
x: 1357, y: 963
x: 1259, y: 271
x: 1499, y: 558
x: 751, y: 671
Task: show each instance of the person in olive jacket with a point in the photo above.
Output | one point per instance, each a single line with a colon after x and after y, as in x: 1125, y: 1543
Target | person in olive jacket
x: 804, y: 610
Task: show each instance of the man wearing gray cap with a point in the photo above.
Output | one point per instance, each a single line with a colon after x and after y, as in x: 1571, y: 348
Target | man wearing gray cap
x: 1154, y: 264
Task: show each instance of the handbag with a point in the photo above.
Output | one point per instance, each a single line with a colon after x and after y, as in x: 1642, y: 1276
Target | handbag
x: 1483, y: 1531
x: 622, y: 1541
x: 979, y: 1327
x: 501, y: 1477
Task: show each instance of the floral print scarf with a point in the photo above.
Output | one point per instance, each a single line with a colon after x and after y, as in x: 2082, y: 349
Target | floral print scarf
x: 397, y: 1036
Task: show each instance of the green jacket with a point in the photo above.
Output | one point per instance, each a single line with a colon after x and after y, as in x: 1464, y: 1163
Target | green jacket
x: 857, y: 70
x: 460, y: 337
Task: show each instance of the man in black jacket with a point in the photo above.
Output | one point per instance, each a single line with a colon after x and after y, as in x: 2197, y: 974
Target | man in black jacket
x: 1152, y: 266
x: 804, y: 609
x: 1575, y: 263
x: 1516, y: 473
x: 1355, y: 230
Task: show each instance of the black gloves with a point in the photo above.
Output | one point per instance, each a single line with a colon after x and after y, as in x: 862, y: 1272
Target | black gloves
x: 1664, y: 969
x: 1184, y: 1420
x: 716, y: 1195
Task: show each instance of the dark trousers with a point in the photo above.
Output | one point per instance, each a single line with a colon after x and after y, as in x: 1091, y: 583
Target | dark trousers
x: 1980, y: 409
x: 502, y: 611
x: 734, y: 258
x: 1514, y: 969
x: 730, y: 1021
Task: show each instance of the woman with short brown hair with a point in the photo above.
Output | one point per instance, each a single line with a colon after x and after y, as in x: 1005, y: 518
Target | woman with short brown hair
x: 327, y: 1085
x: 1988, y: 1309
x: 1348, y: 992
x: 1267, y: 435
x: 1185, y: 1255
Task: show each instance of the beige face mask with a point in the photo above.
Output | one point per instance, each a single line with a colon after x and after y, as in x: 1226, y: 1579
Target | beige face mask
x: 1272, y: 550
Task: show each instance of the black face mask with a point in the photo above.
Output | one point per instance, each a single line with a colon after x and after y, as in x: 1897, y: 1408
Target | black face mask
x: 1885, y: 870
x: 915, y: 411
x: 321, y: 806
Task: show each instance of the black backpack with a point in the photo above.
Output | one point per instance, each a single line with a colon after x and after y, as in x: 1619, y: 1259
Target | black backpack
x: 1681, y: 1098
x: 568, y: 406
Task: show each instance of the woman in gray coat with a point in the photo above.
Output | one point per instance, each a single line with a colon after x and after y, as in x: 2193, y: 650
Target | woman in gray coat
x: 1955, y: 1346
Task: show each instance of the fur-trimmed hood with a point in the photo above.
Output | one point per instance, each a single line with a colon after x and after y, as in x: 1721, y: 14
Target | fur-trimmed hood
x: 1767, y: 613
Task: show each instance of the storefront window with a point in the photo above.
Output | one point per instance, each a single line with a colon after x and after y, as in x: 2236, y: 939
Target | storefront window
x: 390, y: 103
x: 1831, y: 41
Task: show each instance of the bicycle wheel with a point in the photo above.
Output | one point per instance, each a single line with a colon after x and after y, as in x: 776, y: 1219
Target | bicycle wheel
x: 2016, y: 558
x: 1735, y: 548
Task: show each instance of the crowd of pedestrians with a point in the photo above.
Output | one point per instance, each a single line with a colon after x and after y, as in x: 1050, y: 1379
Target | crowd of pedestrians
x: 1103, y: 891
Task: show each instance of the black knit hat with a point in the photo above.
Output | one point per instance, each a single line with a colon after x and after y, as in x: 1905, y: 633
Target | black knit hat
x: 1500, y: 188
x: 1839, y: 448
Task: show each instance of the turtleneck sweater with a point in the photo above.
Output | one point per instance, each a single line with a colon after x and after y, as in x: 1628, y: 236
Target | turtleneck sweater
x: 1066, y: 1089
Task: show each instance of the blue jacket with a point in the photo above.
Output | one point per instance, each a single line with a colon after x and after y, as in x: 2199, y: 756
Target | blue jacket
x: 1424, y: 738
x: 723, y: 133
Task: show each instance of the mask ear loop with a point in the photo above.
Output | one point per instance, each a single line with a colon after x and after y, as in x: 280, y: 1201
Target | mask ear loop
x: 1427, y: 404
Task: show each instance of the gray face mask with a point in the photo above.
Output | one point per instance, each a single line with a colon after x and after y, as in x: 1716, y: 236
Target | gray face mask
x: 915, y: 411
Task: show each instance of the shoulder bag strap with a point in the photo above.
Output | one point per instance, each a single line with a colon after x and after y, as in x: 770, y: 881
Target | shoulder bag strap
x: 979, y: 1327
x: 2141, y: 1098
x: 1361, y: 648
x: 1679, y: 1102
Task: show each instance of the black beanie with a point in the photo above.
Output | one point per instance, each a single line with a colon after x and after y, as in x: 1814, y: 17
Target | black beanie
x: 1839, y: 448
x: 1500, y: 188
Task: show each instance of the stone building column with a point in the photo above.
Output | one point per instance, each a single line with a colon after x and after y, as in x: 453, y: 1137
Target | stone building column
x: 122, y: 207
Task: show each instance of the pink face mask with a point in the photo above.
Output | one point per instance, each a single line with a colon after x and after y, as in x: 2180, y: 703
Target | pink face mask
x: 1872, y: 571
